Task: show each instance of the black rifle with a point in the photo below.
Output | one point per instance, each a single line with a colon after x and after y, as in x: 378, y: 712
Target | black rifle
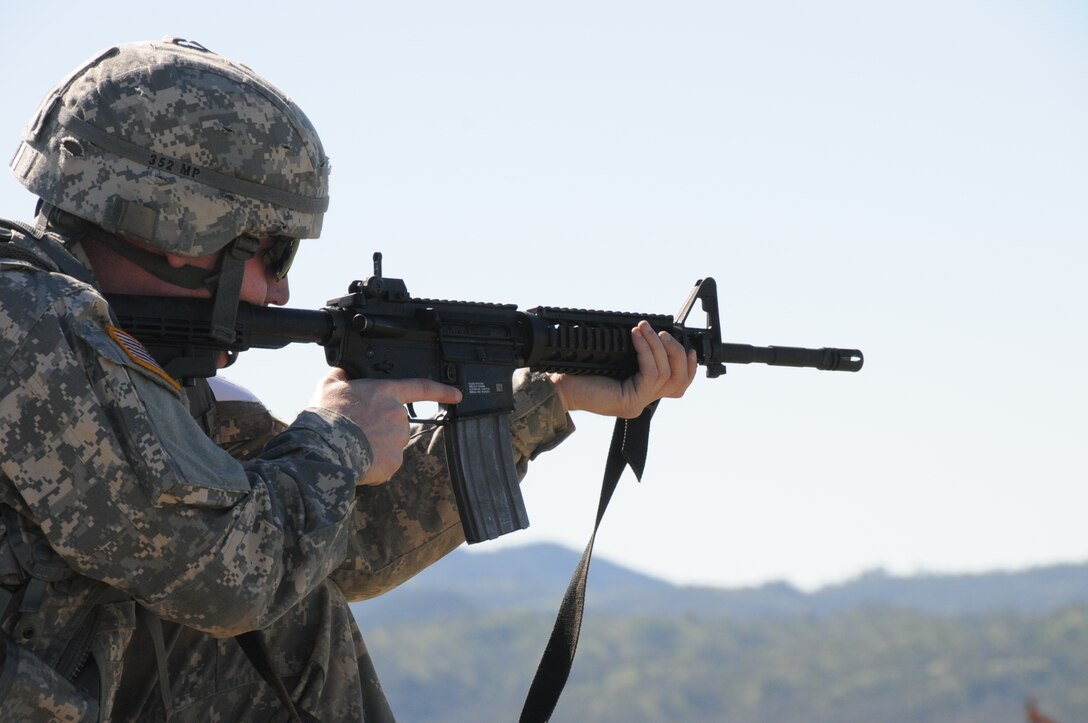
x: 379, y: 331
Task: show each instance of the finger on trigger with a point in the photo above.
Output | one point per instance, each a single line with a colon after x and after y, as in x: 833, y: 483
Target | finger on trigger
x: 426, y: 390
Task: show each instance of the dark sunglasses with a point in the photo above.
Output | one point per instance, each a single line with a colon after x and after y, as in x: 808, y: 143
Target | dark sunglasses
x: 280, y: 255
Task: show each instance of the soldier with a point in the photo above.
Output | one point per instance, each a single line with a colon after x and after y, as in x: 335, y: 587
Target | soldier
x: 176, y: 553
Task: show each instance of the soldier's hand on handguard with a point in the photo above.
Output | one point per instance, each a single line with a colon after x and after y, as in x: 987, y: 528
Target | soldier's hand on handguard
x: 377, y: 406
x: 664, y: 370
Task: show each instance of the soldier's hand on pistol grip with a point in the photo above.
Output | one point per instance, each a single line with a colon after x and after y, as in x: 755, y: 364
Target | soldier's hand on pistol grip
x: 378, y: 407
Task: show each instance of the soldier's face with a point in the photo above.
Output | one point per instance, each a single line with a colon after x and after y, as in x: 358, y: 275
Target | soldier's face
x: 260, y: 284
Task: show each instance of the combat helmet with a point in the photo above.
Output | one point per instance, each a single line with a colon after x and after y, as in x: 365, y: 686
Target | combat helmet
x: 173, y: 145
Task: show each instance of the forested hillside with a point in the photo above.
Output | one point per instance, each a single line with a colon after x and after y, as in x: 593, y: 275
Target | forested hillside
x: 877, y: 649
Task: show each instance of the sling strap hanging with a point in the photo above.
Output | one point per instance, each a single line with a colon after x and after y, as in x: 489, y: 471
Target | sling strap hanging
x: 630, y: 439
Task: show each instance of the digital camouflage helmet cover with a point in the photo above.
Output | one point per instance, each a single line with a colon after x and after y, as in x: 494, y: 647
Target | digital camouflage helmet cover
x: 173, y: 145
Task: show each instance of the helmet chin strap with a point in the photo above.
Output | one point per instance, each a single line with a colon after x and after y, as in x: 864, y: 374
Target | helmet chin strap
x: 225, y: 281
x: 228, y: 289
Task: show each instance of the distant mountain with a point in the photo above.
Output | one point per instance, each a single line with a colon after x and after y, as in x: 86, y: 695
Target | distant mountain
x: 533, y: 578
x: 1035, y: 590
x: 529, y: 578
x: 459, y: 644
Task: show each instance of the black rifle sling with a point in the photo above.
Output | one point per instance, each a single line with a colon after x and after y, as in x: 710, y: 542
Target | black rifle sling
x: 628, y: 449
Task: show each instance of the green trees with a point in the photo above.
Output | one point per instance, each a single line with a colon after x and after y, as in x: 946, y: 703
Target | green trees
x: 873, y: 664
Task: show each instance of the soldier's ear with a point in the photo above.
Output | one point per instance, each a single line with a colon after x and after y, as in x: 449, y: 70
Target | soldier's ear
x: 175, y: 261
x: 211, y: 261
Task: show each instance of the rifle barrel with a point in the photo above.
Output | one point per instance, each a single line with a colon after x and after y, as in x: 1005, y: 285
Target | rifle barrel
x: 827, y: 359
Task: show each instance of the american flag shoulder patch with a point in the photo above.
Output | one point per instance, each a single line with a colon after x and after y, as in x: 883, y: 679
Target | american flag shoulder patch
x: 136, y: 352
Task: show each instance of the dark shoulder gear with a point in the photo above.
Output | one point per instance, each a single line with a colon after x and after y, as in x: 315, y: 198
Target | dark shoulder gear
x: 46, y: 251
x: 14, y: 244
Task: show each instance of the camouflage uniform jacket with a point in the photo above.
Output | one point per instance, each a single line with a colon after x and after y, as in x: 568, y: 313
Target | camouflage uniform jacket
x: 105, y: 476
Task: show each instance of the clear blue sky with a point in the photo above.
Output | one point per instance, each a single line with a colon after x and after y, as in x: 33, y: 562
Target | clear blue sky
x: 906, y: 178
